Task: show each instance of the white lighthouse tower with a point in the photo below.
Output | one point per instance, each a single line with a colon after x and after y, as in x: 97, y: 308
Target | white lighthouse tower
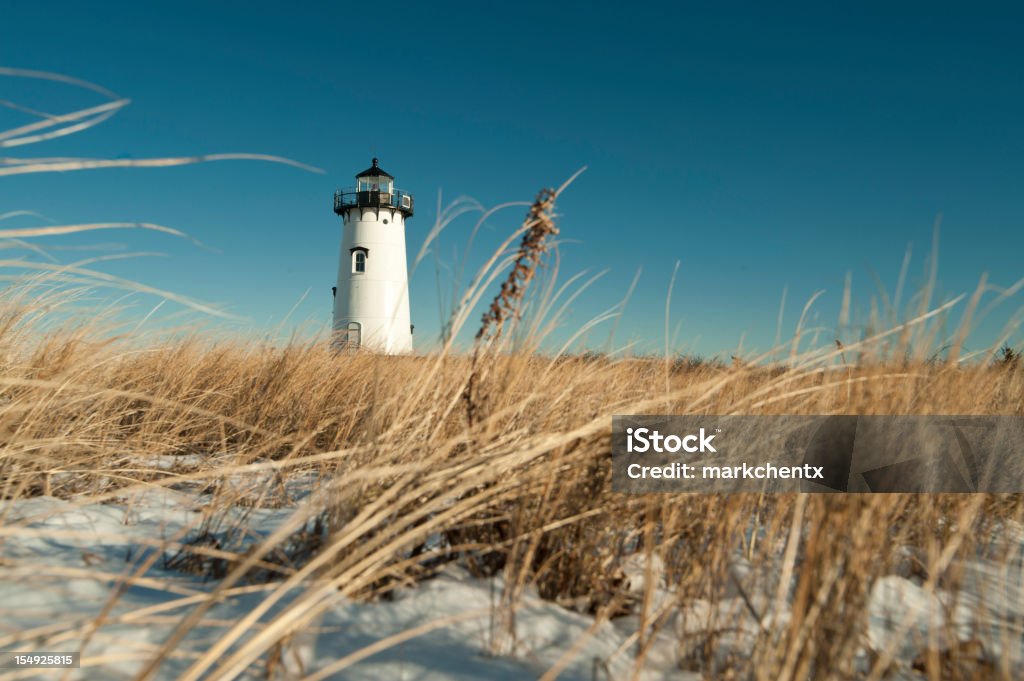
x: 371, y: 300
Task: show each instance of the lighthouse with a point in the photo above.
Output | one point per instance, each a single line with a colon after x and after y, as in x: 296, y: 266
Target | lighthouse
x: 371, y: 299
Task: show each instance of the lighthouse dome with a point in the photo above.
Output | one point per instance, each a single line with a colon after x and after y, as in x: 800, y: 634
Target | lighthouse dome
x: 375, y: 171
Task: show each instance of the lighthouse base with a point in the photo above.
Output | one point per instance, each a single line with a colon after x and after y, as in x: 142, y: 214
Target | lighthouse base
x: 366, y: 336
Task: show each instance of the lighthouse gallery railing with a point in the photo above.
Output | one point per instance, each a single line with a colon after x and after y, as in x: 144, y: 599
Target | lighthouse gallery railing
x: 349, y: 198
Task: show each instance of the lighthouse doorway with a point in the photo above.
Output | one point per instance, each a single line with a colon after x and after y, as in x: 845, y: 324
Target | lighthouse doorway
x: 351, y: 337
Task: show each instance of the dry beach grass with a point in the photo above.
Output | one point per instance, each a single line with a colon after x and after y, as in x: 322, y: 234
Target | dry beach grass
x: 523, y: 491
x: 497, y: 462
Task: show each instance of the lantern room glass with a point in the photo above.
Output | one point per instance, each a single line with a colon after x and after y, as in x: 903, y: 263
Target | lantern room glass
x: 375, y: 183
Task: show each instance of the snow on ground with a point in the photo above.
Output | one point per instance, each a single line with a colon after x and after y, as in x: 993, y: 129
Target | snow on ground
x: 988, y: 608
x: 62, y: 562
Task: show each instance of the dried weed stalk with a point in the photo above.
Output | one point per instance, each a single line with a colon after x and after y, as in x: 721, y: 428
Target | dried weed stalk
x: 539, y: 225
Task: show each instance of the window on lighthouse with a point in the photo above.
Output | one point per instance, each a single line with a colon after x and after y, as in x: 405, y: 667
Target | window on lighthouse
x: 358, y: 261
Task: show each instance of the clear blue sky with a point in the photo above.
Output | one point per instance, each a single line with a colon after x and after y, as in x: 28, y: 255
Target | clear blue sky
x: 763, y: 147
